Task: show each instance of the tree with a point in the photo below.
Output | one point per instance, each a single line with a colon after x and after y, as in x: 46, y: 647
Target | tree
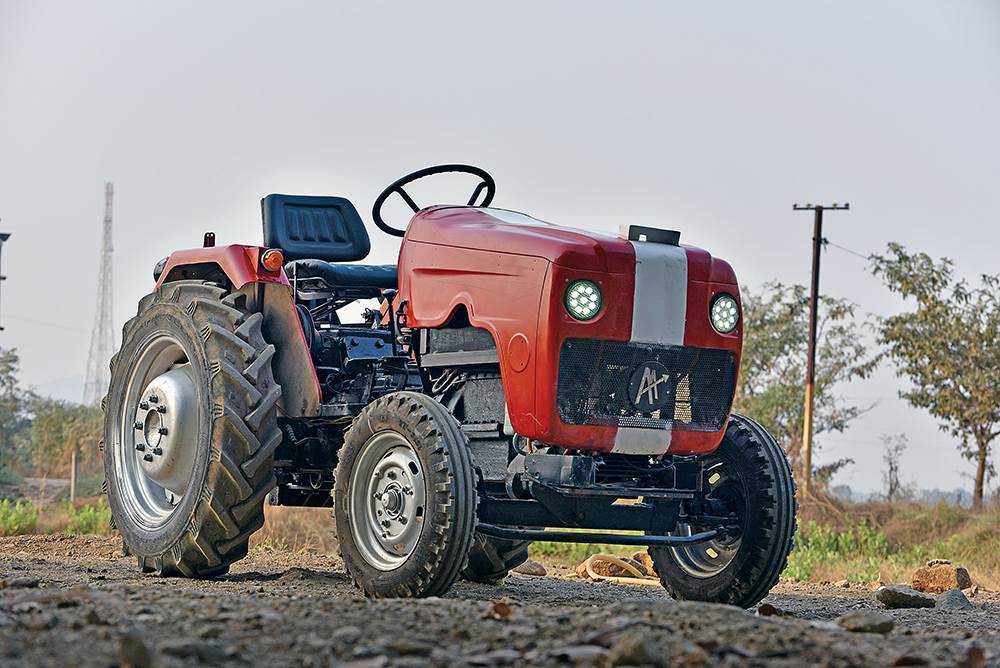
x: 58, y: 428
x: 948, y: 346
x: 773, y: 370
x: 892, y: 455
x: 14, y: 416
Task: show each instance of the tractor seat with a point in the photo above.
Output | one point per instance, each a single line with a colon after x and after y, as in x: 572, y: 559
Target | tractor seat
x: 344, y: 275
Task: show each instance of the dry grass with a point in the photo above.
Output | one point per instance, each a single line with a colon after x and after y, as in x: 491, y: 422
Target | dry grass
x: 296, y: 530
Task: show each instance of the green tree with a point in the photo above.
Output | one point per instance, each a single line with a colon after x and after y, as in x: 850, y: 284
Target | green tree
x: 60, y: 427
x: 948, y: 346
x: 773, y: 370
x: 15, y: 419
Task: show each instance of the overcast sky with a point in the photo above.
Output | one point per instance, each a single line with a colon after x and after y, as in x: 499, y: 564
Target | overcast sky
x: 711, y: 118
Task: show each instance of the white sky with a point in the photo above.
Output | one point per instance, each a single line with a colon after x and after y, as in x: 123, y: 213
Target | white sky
x: 711, y: 118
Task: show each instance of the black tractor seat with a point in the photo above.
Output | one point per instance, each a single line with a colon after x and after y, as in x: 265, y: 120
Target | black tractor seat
x: 335, y: 275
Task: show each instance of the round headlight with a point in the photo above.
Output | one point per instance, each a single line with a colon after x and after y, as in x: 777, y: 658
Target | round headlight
x: 583, y: 299
x: 725, y: 313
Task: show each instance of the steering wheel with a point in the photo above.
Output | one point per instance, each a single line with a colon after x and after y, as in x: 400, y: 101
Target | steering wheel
x: 486, y: 183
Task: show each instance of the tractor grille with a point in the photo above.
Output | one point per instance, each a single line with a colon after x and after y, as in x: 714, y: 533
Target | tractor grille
x: 618, y: 384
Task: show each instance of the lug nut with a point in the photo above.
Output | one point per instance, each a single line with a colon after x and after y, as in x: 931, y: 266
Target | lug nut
x: 163, y: 430
x: 137, y: 425
x: 141, y: 447
x: 392, y: 475
x: 161, y: 408
x: 144, y: 405
x: 153, y: 399
x: 147, y: 457
x: 157, y: 451
x: 402, y: 520
x: 385, y: 523
x: 408, y: 490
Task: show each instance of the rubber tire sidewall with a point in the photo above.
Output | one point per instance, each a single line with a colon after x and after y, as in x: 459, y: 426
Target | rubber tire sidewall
x: 761, y: 558
x: 172, y: 320
x: 410, y: 578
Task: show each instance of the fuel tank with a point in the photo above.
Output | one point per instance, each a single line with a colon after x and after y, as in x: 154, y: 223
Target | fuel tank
x: 566, y: 381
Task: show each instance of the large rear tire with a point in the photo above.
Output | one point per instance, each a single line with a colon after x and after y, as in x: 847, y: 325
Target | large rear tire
x: 405, y: 498
x: 750, y: 476
x: 190, y: 430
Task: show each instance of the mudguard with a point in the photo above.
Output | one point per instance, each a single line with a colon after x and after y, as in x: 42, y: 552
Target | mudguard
x: 271, y: 294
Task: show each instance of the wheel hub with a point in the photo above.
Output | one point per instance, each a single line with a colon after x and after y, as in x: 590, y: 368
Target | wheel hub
x: 387, y: 500
x: 166, y: 431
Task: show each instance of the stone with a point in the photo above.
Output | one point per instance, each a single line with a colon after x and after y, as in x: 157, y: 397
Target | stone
x: 866, y: 621
x: 580, y: 654
x: 201, y: 651
x: 133, y: 652
x: 770, y: 610
x: 939, y: 576
x: 954, y: 599
x: 634, y: 649
x: 19, y: 583
x: 498, y: 657
x: 901, y: 596
x: 843, y: 584
x: 531, y: 567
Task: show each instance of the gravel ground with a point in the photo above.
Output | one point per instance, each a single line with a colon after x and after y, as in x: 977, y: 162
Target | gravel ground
x: 77, y: 601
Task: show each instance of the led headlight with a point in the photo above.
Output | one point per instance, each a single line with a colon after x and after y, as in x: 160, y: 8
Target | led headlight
x: 725, y: 313
x: 583, y: 299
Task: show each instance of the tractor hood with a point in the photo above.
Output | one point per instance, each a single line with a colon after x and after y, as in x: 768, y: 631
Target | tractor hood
x: 505, y: 231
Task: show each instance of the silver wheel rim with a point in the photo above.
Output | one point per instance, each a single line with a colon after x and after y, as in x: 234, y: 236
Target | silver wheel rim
x: 388, y: 498
x: 708, y: 559
x: 158, y: 431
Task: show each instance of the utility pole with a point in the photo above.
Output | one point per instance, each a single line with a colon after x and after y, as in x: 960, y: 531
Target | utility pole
x: 807, y: 422
x: 4, y: 236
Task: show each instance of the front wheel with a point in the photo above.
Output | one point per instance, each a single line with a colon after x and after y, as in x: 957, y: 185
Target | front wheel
x: 405, y: 498
x: 749, y: 476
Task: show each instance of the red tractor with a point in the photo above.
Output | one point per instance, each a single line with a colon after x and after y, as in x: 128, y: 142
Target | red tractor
x: 517, y: 380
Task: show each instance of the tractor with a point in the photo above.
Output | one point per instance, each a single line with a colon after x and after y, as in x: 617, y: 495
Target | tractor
x: 508, y: 381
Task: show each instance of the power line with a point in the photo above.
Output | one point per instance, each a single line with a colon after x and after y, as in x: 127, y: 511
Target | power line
x: 827, y: 242
x: 45, y: 323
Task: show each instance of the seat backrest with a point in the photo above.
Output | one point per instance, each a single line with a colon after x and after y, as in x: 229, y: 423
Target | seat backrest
x: 308, y: 227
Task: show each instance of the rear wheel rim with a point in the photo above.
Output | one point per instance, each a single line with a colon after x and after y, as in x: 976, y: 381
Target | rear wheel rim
x: 388, y: 498
x: 708, y: 559
x: 157, y: 436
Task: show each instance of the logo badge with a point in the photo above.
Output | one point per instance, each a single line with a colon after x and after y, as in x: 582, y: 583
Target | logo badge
x: 649, y: 388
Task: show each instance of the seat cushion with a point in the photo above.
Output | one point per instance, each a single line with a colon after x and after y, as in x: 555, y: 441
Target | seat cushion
x: 325, y: 228
x: 345, y: 275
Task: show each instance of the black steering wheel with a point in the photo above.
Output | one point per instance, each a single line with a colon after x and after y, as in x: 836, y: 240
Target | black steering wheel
x: 487, y: 183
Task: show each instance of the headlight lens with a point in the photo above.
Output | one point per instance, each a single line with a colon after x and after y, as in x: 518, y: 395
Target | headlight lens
x: 725, y: 313
x: 583, y: 299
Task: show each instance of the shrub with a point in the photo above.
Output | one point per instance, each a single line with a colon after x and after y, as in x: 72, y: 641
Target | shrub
x: 17, y: 517
x: 90, y: 519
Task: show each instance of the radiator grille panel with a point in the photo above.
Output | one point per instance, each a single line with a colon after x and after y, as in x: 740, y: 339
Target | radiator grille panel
x: 620, y: 384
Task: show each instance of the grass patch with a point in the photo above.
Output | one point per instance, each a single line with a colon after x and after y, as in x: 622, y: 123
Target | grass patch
x: 17, y: 517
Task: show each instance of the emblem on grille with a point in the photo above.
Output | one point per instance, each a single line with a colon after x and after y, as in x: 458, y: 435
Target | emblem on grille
x: 649, y: 387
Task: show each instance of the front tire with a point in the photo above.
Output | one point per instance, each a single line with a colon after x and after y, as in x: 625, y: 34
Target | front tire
x: 190, y: 430
x: 749, y: 475
x: 405, y: 498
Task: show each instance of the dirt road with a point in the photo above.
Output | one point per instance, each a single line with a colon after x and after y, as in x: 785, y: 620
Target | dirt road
x: 78, y: 602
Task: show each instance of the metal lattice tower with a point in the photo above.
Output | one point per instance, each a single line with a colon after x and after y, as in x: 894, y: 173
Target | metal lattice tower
x: 102, y: 340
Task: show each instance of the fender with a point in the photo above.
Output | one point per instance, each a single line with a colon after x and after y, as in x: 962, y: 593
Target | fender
x: 269, y: 293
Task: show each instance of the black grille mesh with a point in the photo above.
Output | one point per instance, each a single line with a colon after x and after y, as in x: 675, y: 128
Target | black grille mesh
x: 594, y: 385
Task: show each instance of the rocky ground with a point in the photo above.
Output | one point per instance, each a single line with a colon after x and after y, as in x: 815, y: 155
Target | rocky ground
x: 77, y: 601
